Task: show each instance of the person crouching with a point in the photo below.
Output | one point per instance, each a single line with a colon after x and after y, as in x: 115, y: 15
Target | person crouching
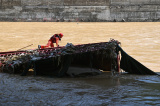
x: 54, y: 39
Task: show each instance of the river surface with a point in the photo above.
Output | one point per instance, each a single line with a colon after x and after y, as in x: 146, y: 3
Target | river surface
x: 141, y: 40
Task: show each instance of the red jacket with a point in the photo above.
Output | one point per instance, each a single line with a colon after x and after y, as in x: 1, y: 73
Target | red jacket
x: 54, y: 38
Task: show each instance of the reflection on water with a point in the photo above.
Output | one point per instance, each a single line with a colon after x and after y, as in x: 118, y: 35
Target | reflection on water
x: 140, y: 40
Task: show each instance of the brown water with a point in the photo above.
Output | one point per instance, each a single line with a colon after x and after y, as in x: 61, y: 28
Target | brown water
x: 140, y: 40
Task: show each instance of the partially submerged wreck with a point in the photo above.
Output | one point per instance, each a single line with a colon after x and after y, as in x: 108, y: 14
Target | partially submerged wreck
x: 56, y: 61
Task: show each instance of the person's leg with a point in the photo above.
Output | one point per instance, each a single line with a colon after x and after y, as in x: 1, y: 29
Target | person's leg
x: 51, y: 44
x: 57, y: 41
x: 48, y: 44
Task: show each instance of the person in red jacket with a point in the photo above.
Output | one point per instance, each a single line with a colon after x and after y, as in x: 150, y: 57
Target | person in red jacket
x: 54, y: 39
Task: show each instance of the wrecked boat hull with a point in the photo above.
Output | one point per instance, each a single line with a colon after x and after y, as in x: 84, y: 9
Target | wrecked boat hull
x: 56, y: 61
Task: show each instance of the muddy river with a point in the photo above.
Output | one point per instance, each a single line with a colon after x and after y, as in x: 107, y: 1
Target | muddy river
x: 140, y: 40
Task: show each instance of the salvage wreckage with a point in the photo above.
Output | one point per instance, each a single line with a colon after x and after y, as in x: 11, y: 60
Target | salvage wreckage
x: 56, y: 61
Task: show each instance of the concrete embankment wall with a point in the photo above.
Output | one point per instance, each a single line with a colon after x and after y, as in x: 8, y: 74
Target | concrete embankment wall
x: 79, y: 10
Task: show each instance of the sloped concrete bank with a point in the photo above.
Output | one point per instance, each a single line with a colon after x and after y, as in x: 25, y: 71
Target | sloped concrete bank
x: 80, y: 10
